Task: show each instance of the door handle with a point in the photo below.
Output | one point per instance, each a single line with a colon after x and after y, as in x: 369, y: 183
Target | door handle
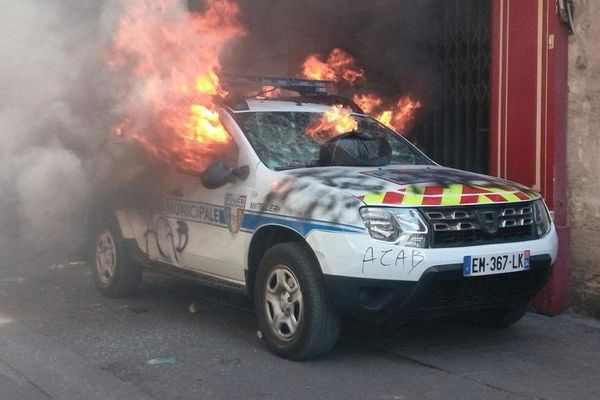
x: 175, y: 193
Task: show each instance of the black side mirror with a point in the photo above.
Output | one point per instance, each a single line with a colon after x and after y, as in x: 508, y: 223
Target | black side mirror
x: 218, y: 174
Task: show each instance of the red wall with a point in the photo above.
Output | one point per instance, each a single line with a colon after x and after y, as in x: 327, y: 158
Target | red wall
x: 519, y: 109
x: 528, y: 116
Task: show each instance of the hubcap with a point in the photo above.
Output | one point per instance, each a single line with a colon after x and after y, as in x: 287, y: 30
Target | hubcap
x: 283, y: 302
x: 106, y: 256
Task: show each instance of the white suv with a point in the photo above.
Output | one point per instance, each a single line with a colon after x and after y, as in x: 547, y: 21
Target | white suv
x: 311, y: 236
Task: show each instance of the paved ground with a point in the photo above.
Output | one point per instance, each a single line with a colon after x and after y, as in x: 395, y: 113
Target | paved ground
x: 59, y: 339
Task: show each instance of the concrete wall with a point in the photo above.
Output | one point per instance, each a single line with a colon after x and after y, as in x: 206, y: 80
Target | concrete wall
x: 584, y: 157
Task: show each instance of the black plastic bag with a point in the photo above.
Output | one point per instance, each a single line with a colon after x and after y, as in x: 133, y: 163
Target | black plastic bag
x: 356, y: 149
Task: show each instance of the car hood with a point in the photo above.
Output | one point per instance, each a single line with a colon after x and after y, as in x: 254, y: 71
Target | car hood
x: 417, y: 185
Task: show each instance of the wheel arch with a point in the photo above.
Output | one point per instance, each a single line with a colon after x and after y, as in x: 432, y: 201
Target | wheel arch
x: 263, y: 239
x: 96, y: 216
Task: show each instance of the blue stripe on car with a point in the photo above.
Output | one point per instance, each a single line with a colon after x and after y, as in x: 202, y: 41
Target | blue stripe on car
x: 252, y: 221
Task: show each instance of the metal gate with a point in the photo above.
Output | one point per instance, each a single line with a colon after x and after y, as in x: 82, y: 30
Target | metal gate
x: 455, y: 131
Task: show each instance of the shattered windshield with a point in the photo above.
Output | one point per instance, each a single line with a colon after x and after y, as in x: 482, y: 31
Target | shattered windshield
x: 281, y: 141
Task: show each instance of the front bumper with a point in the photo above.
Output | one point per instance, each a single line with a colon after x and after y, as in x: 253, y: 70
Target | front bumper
x: 441, y: 290
x: 360, y: 256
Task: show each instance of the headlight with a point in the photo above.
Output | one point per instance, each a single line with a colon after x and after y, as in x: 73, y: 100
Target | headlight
x: 403, y: 226
x: 541, y: 218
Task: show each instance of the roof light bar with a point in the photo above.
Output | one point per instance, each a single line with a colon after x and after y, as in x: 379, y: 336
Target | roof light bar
x: 305, y: 87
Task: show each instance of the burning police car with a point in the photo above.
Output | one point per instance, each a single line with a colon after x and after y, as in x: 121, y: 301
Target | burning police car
x: 324, y: 212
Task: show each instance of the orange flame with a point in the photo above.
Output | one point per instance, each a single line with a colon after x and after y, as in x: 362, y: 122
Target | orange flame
x: 404, y: 113
x: 368, y: 102
x: 339, y: 67
x: 336, y: 121
x: 398, y: 118
x: 170, y: 58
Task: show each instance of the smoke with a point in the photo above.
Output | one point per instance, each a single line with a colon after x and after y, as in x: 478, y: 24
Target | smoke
x: 393, y: 40
x: 54, y: 110
x: 169, y: 59
x: 59, y: 100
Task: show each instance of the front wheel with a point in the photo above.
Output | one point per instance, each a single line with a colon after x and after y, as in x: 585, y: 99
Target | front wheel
x: 293, y: 312
x: 115, y: 274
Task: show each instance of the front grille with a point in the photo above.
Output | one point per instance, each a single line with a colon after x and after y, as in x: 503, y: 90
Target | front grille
x: 477, y: 225
x: 479, y: 290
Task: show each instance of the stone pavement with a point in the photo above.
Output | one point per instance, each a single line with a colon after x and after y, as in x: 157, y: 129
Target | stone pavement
x: 60, y: 339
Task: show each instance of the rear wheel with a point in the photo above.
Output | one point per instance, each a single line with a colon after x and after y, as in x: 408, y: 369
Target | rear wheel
x: 499, y: 318
x: 114, y: 273
x: 294, y: 314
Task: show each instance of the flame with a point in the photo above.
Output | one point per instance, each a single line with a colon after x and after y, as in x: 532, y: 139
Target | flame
x: 385, y: 117
x: 205, y: 126
x: 209, y: 84
x: 398, y: 118
x: 368, y: 102
x: 404, y: 113
x: 170, y: 60
x: 336, y: 121
x: 339, y: 67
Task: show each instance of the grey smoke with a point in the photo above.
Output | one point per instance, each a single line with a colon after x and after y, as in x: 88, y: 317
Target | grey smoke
x: 54, y: 110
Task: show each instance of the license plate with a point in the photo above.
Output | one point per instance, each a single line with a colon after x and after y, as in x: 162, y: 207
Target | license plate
x: 496, y: 263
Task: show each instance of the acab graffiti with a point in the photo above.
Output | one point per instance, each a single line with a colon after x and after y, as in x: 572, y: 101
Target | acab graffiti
x: 392, y: 258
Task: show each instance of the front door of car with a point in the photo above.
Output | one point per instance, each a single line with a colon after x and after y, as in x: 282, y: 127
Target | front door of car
x: 199, y: 228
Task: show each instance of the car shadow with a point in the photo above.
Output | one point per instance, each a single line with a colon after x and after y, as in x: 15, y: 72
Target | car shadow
x: 233, y: 310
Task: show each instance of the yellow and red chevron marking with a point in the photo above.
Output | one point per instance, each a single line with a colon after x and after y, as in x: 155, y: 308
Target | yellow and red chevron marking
x: 451, y: 195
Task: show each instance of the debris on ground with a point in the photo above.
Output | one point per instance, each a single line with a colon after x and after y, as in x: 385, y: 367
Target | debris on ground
x: 162, y: 360
x: 259, y: 334
x: 13, y: 280
x: 194, y: 308
x: 68, y: 264
x: 230, y: 361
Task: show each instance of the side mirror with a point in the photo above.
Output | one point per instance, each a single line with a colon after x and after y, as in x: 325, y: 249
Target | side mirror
x: 218, y: 174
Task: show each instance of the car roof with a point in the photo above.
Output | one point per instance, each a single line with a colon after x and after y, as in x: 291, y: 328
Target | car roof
x: 265, y: 105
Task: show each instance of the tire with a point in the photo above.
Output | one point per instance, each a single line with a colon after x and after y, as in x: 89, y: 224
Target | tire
x: 295, y: 316
x: 499, y: 318
x: 115, y: 274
